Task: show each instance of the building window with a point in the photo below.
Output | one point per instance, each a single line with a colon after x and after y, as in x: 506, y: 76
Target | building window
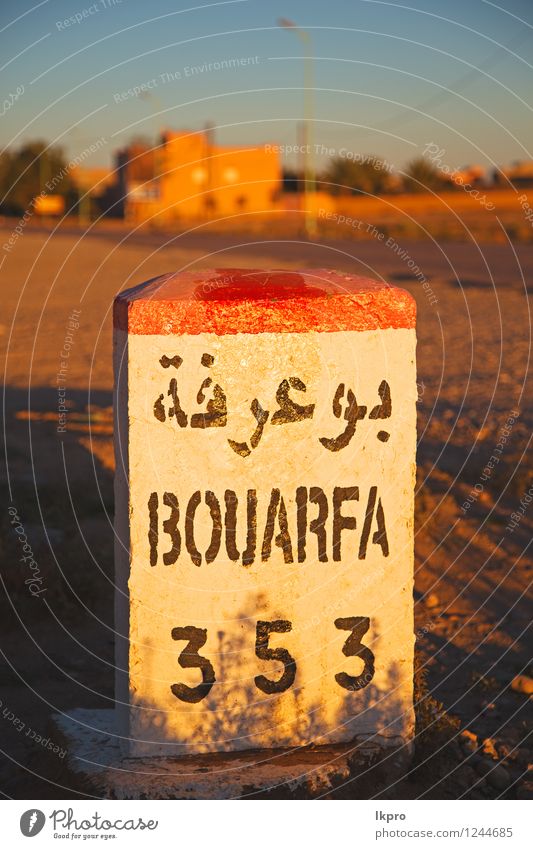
x: 230, y: 175
x: 199, y: 176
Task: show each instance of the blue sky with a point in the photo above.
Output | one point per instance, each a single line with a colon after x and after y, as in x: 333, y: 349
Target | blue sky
x: 375, y: 64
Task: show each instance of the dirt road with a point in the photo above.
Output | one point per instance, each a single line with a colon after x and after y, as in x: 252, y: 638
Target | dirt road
x: 473, y: 567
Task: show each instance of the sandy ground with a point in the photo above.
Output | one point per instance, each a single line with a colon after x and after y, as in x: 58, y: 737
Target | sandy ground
x: 472, y: 570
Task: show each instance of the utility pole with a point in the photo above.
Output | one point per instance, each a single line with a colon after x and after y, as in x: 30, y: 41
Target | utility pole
x: 306, y: 143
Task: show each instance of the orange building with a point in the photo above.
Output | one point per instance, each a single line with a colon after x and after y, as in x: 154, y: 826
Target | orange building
x: 193, y: 178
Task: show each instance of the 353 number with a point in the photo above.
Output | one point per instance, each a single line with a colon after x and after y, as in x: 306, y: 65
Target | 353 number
x: 190, y: 658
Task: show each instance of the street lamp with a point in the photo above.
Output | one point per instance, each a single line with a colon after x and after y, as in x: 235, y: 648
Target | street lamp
x: 309, y: 174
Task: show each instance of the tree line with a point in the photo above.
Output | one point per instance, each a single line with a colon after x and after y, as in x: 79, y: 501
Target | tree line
x: 26, y: 171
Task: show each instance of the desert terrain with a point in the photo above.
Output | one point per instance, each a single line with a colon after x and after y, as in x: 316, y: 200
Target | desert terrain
x: 473, y: 528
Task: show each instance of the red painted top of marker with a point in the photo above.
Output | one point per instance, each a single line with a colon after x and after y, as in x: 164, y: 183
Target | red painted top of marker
x: 232, y: 300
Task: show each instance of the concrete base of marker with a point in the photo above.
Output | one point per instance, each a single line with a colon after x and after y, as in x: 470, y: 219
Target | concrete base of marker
x: 94, y: 766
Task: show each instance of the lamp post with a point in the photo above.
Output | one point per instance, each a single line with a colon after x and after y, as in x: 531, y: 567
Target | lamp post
x: 307, y: 127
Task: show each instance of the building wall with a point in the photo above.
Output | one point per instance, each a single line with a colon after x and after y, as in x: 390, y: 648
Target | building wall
x: 196, y: 179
